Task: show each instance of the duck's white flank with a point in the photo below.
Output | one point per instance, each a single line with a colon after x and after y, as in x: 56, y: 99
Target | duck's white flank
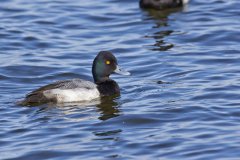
x: 185, y: 1
x: 72, y: 95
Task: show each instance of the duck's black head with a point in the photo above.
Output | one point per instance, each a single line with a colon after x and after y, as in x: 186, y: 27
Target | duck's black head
x: 161, y: 4
x: 104, y: 65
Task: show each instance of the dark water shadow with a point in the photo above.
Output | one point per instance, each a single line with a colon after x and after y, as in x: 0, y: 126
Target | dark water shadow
x: 161, y: 19
x: 163, y: 14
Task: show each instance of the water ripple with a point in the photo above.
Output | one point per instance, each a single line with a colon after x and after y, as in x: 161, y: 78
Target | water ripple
x: 180, y: 102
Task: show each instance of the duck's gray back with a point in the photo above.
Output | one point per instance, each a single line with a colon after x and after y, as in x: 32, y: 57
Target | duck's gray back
x: 73, y: 84
x: 67, y: 84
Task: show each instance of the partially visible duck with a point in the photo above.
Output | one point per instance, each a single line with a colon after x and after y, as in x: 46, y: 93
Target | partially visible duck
x: 76, y: 90
x: 162, y: 4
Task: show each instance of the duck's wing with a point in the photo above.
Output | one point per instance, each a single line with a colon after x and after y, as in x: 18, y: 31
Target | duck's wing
x: 65, y: 84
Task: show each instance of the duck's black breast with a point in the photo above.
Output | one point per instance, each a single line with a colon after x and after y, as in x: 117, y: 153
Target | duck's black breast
x: 108, y: 88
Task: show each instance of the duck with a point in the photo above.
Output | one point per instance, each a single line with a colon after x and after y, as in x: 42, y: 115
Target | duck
x: 162, y: 4
x: 78, y: 90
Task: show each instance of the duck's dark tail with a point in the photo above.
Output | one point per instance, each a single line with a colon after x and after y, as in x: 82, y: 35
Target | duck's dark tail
x: 33, y: 99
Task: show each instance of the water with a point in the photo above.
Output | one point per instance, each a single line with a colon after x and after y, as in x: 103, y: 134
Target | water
x: 181, y: 101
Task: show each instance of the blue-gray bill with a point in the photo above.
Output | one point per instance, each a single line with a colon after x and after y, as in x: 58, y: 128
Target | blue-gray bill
x: 121, y: 71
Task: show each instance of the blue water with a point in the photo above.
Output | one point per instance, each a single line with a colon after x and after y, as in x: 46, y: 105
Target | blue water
x: 182, y: 100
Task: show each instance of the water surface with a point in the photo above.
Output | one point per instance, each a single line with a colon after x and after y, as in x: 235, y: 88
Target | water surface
x: 181, y: 101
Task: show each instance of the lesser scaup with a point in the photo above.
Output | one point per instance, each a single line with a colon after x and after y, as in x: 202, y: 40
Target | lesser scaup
x: 162, y: 4
x: 76, y: 90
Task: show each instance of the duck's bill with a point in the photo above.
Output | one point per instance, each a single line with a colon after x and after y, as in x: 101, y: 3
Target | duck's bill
x: 119, y: 70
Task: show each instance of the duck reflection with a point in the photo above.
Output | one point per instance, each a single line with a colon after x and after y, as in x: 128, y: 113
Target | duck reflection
x: 104, y: 135
x: 103, y: 109
x: 108, y: 108
x: 161, y: 21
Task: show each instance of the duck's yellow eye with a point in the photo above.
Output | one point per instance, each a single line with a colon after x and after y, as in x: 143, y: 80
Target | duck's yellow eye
x: 107, y: 62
